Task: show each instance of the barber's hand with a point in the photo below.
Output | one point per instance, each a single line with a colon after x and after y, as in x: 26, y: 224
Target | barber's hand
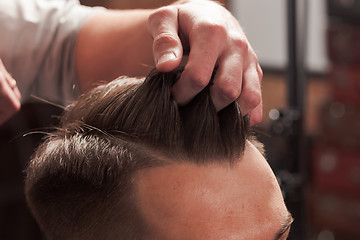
x: 9, y: 95
x: 214, y: 38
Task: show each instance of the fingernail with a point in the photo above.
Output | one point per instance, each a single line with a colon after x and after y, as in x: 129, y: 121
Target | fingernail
x: 169, y: 56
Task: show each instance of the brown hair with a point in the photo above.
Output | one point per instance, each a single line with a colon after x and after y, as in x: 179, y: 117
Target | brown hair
x: 79, y: 181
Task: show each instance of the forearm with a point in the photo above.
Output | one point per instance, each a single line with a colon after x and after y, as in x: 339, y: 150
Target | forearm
x: 131, y: 42
x: 111, y: 44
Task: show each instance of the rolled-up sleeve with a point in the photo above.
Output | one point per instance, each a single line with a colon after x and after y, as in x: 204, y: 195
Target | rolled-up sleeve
x: 37, y: 45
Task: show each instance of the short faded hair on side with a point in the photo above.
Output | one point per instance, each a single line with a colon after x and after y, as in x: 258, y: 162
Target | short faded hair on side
x: 80, y: 179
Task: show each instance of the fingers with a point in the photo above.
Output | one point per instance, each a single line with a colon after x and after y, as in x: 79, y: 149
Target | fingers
x: 13, y: 85
x: 167, y: 48
x: 227, y: 82
x: 214, y: 38
x: 9, y: 95
x: 231, y: 83
x: 205, y: 49
x: 250, y: 96
x: 256, y: 114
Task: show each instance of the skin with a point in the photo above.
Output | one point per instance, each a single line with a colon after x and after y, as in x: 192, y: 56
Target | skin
x: 188, y: 201
x: 108, y: 47
x: 131, y: 42
x: 10, y: 96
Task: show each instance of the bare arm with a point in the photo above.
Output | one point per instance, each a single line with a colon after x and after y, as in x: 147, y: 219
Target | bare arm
x: 124, y: 42
x: 111, y: 44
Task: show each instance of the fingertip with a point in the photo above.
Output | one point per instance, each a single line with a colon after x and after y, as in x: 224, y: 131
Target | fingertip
x: 218, y: 104
x: 191, y: 82
x: 167, y: 46
x: 17, y: 93
x: 250, y: 104
x: 16, y: 106
x: 224, y: 94
x: 256, y: 116
x: 168, y: 61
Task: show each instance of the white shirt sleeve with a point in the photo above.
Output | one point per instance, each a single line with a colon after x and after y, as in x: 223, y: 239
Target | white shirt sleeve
x: 37, y: 45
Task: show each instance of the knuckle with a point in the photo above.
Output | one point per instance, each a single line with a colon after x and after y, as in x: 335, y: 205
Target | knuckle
x: 253, y: 57
x: 252, y: 98
x: 230, y: 92
x: 159, y: 14
x: 200, y: 79
x: 217, y: 30
x: 241, y: 44
x: 211, y: 30
x: 165, y: 38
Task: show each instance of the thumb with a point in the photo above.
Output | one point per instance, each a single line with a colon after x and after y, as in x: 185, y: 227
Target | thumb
x: 167, y: 48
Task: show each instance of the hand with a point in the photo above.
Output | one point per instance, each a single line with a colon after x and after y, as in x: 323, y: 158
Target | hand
x: 214, y: 38
x: 9, y: 95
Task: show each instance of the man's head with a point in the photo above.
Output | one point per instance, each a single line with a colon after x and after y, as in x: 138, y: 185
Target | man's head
x: 128, y: 163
